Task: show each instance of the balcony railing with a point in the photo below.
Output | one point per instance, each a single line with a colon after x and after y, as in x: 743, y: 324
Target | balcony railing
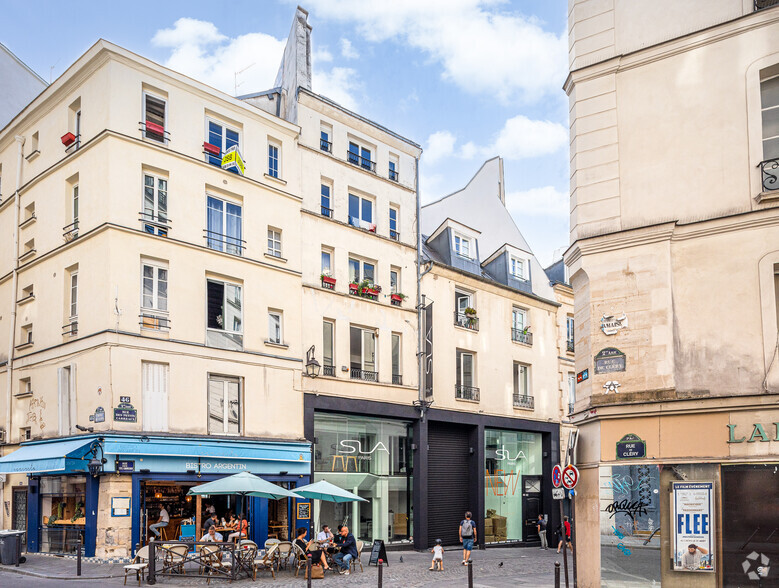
x: 394, y: 235
x: 760, y: 4
x: 325, y: 145
x: 355, y: 159
x: 71, y: 328
x: 523, y: 401
x: 70, y: 231
x: 466, y: 393
x: 521, y: 336
x: 149, y: 320
x: 467, y: 321
x: 328, y: 212
x: 769, y: 170
x: 570, y: 408
x: 154, y: 131
x: 358, y: 374
x: 569, y: 346
x: 154, y: 224
x: 328, y: 370
x: 222, y: 242
x: 394, y: 175
x: 397, y: 379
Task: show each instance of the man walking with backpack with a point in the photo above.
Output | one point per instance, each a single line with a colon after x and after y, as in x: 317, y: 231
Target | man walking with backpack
x: 467, y: 532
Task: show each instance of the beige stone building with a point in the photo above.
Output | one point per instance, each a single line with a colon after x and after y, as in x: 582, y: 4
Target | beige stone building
x: 673, y: 262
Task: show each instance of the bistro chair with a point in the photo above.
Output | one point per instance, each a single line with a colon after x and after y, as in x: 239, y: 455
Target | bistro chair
x: 356, y: 561
x: 139, y: 564
x: 245, y: 556
x: 210, y: 559
x: 266, y: 562
x: 283, y: 552
x: 176, y: 557
x: 270, y: 542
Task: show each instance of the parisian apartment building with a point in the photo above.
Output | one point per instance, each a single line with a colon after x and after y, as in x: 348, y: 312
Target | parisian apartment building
x: 675, y: 273
x: 194, y: 285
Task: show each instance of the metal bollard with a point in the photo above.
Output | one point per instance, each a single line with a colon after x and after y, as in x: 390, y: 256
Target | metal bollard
x: 78, y: 556
x: 470, y: 574
x: 308, y: 570
x: 381, y: 573
x: 557, y: 574
x: 151, y: 574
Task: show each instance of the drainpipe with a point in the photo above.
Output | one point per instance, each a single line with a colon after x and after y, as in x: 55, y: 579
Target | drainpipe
x: 14, y: 285
x: 420, y: 310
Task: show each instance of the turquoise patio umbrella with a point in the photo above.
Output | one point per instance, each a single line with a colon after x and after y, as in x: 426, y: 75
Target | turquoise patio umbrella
x: 324, y: 490
x: 244, y: 484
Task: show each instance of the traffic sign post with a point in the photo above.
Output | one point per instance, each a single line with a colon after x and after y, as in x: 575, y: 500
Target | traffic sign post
x: 558, y: 493
x: 557, y: 476
x: 570, y: 477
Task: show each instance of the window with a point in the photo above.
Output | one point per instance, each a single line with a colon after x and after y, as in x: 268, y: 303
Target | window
x: 396, y: 377
x: 328, y: 348
x: 274, y: 327
x: 25, y: 387
x: 154, y: 296
x: 518, y: 319
x: 393, y: 168
x: 462, y: 246
x: 327, y: 262
x: 362, y: 354
x: 273, y: 160
x: 517, y: 267
x: 155, y: 205
x: 360, y: 270
x: 464, y: 387
x: 394, y: 280
x: 154, y: 395
x: 27, y: 335
x: 154, y: 121
x: 571, y: 391
x: 222, y: 137
x: 71, y: 230
x: 77, y: 122
x: 325, y: 202
x: 361, y: 213
x: 325, y: 143
x: 224, y: 321
x: 25, y: 434
x: 769, y: 102
x: 65, y: 392
x: 34, y: 143
x: 462, y: 301
x: 224, y: 226
x: 521, y: 379
x: 361, y: 156
x: 73, y: 295
x: 224, y: 405
x: 569, y: 336
x: 74, y: 123
x: 393, y: 223
x: 274, y: 242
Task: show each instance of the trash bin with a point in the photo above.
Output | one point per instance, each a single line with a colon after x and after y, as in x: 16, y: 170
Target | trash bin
x: 11, y: 547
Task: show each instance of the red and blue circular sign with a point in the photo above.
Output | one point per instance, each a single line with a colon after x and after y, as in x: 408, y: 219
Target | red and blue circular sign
x: 557, y: 476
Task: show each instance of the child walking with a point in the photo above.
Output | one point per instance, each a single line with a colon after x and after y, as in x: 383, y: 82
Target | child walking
x: 438, y: 557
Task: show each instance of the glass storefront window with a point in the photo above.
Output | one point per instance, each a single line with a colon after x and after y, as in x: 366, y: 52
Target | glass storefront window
x: 372, y: 458
x: 513, y: 468
x: 63, y: 513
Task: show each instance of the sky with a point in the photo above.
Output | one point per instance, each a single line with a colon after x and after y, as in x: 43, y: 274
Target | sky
x: 466, y: 79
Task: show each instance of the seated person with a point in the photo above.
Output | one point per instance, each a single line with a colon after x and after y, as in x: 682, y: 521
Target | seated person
x: 348, y: 551
x: 210, y: 522
x: 232, y: 522
x: 212, y: 535
x: 240, y: 527
x: 317, y: 555
x: 338, y: 539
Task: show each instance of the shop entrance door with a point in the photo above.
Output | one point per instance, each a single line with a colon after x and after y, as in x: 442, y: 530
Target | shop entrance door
x: 750, y: 524
x: 531, y: 506
x: 19, y: 507
x: 449, y: 481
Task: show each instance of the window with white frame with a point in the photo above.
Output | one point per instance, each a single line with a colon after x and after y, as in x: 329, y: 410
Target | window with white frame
x: 220, y: 136
x: 521, y: 379
x: 569, y: 333
x: 517, y: 267
x: 325, y: 200
x: 154, y: 296
x: 769, y: 104
x: 393, y: 223
x: 155, y: 110
x: 328, y: 347
x: 274, y: 242
x: 71, y: 230
x: 361, y: 155
x: 362, y: 354
x: 360, y: 270
x: 224, y: 315
x: 225, y: 226
x: 518, y: 319
x: 73, y: 295
x: 462, y: 246
x: 465, y: 369
x: 273, y: 159
x: 396, y: 374
x: 462, y: 301
x: 571, y: 391
x: 393, y: 168
x: 361, y: 213
x: 327, y: 262
x: 394, y: 280
x: 224, y: 405
x: 155, y: 205
x: 274, y: 327
x: 325, y: 137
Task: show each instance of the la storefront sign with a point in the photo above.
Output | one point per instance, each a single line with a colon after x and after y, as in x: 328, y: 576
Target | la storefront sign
x: 692, y: 515
x: 760, y: 432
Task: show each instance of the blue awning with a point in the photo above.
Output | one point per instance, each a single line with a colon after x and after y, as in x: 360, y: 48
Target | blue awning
x: 55, y: 456
x: 218, y: 449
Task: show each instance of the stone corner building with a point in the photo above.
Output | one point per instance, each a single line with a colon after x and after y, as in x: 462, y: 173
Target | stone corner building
x: 674, y: 262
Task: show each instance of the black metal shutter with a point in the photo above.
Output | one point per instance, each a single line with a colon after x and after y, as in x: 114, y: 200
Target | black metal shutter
x: 449, y: 481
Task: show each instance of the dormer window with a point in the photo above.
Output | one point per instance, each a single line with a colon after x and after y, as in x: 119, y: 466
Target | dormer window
x: 462, y: 246
x: 517, y: 267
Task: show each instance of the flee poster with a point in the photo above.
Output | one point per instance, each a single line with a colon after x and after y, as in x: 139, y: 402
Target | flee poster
x: 692, y: 513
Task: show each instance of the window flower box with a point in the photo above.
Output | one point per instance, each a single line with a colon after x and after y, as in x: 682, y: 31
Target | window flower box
x: 68, y: 139
x: 397, y: 299
x: 155, y: 129
x: 211, y: 149
x: 328, y: 281
x: 354, y: 288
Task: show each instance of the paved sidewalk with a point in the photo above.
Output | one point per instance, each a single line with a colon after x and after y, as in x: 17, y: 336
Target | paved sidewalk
x: 530, y: 567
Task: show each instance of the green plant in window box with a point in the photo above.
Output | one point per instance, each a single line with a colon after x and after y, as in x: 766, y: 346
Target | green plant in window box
x: 470, y: 311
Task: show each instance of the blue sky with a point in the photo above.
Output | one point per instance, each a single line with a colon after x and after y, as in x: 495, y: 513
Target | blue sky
x: 467, y: 79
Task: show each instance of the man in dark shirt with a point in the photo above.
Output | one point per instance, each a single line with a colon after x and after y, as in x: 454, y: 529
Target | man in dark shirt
x: 348, y: 551
x: 210, y: 522
x: 541, y: 525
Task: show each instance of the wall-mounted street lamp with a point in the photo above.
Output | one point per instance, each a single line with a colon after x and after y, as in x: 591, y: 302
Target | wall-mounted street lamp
x: 312, y: 365
x: 95, y: 465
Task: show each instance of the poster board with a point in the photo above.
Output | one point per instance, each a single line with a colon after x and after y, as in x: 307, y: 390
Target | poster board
x: 692, y: 514
x: 378, y: 552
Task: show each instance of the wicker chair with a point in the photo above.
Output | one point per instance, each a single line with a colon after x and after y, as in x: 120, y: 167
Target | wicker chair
x: 356, y: 561
x: 266, y: 562
x: 139, y: 564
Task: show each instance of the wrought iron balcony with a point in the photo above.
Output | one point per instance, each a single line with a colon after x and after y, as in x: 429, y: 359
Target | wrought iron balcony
x: 221, y: 242
x: 71, y: 328
x: 358, y: 374
x: 769, y: 170
x: 394, y: 175
x: 523, y: 401
x: 570, y: 408
x: 325, y: 145
x: 467, y: 321
x: 328, y: 212
x: 154, y: 224
x: 355, y: 159
x: 521, y: 336
x: 70, y: 231
x: 466, y: 393
x: 761, y: 4
x: 150, y: 320
x: 328, y: 370
x: 397, y: 379
x: 394, y: 235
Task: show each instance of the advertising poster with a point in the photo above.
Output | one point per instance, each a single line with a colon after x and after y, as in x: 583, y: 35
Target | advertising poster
x: 692, y: 513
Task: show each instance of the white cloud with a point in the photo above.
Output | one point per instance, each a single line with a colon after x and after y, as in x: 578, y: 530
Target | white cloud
x: 340, y: 84
x: 439, y: 145
x: 347, y: 50
x: 481, y: 48
x: 545, y: 201
x: 321, y: 55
